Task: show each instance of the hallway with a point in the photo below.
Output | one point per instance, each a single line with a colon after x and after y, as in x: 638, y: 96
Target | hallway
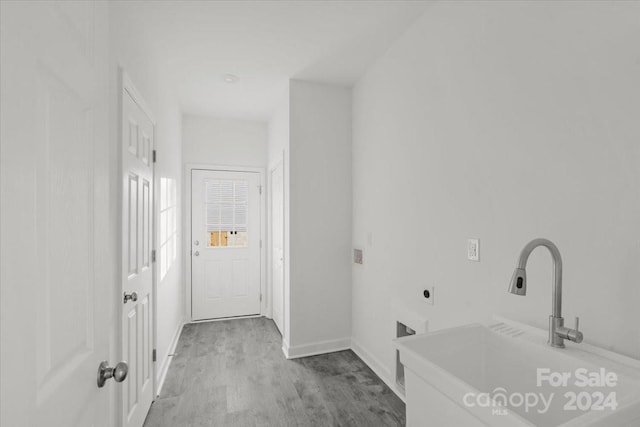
x: 233, y: 373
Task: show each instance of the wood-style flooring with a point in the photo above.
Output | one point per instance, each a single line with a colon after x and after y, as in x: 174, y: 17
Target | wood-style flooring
x: 233, y: 373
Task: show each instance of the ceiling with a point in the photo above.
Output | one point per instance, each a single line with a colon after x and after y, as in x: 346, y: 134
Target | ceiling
x: 264, y: 43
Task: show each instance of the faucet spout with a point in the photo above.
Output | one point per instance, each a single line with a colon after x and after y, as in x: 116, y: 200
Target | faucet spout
x: 556, y: 296
x: 518, y: 286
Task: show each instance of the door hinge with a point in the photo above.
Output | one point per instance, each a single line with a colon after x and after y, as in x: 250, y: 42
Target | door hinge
x: 153, y: 255
x: 154, y: 156
x: 154, y: 355
x: 260, y: 297
x: 260, y: 188
x: 260, y: 243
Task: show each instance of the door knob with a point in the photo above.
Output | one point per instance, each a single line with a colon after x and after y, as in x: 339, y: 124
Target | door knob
x: 196, y: 242
x: 196, y: 253
x: 119, y: 373
x: 133, y: 296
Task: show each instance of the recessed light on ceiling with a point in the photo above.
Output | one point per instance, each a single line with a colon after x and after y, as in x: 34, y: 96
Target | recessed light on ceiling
x: 230, y: 78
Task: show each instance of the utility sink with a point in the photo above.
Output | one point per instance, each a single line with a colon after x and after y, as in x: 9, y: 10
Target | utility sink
x: 504, y: 374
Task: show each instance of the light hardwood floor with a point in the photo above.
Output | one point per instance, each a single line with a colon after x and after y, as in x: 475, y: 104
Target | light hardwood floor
x: 233, y: 373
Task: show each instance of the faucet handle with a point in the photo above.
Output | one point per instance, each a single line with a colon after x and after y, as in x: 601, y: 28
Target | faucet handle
x: 576, y: 335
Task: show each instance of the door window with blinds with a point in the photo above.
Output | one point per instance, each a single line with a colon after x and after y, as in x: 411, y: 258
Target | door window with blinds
x: 227, y: 213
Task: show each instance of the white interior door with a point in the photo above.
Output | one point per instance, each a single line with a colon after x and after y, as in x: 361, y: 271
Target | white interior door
x: 138, y: 139
x: 277, y: 245
x: 57, y: 269
x: 225, y: 244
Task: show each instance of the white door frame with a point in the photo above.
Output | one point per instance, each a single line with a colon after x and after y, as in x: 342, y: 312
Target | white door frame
x: 276, y: 164
x: 126, y: 84
x: 264, y: 306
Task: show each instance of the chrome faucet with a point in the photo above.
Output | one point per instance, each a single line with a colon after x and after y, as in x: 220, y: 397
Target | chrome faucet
x: 518, y: 286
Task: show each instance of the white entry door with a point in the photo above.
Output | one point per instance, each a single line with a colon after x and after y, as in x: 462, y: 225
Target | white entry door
x: 277, y: 245
x: 138, y: 141
x: 58, y: 270
x: 225, y: 244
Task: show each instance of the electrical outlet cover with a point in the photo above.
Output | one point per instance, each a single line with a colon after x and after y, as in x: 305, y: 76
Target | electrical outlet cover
x: 473, y: 249
x: 429, y: 295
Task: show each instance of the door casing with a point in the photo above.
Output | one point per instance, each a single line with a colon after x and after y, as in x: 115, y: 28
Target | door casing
x: 271, y: 285
x: 186, y: 228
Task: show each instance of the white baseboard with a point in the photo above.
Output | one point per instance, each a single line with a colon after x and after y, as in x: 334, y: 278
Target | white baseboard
x: 377, y: 367
x: 164, y: 366
x: 315, y: 348
x: 223, y: 319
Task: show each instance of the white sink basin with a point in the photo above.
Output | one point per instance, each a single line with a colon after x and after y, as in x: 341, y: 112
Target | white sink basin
x: 452, y: 376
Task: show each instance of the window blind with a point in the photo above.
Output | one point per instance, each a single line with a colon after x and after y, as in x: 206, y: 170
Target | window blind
x: 227, y: 205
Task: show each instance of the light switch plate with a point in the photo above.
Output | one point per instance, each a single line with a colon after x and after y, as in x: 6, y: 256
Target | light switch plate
x: 473, y: 249
x: 357, y: 256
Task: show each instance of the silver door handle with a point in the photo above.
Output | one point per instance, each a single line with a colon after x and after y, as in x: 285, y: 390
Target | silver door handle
x: 196, y: 253
x: 133, y: 296
x: 119, y: 373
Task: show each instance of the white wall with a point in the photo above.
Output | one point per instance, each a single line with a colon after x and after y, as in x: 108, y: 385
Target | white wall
x: 171, y: 294
x: 502, y: 121
x: 320, y: 217
x: 227, y: 142
x: 131, y: 49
